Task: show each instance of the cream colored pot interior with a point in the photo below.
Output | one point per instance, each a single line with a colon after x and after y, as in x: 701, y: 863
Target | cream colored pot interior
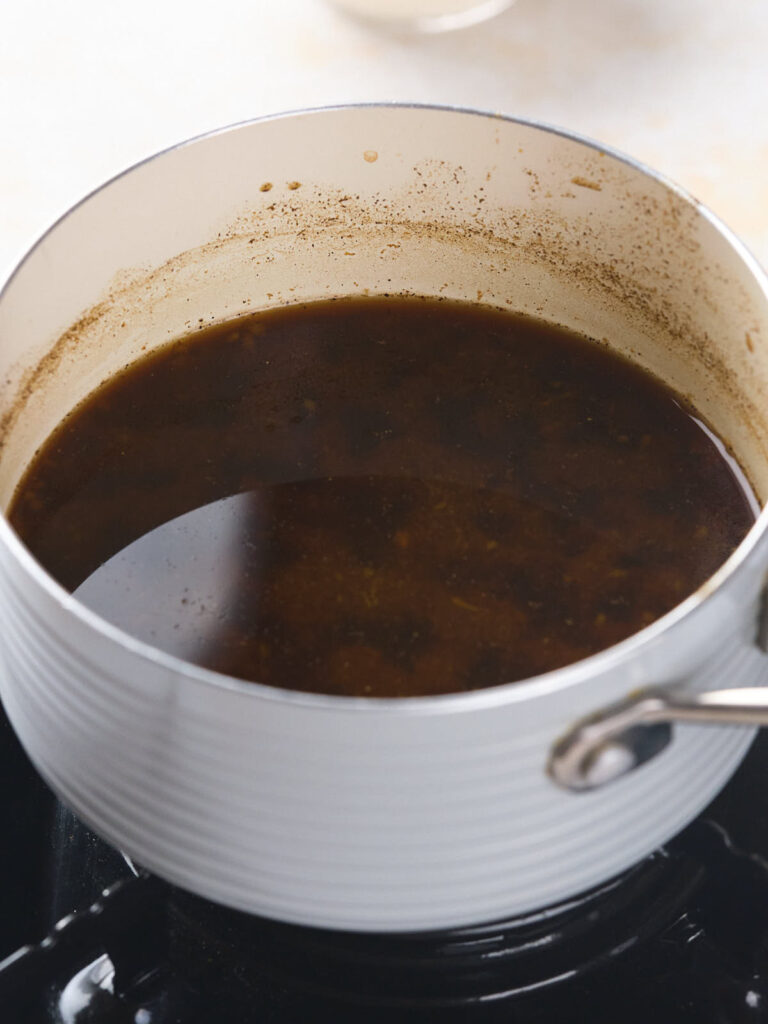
x: 384, y: 200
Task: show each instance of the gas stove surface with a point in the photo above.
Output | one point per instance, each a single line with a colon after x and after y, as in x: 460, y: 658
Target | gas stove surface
x: 682, y: 937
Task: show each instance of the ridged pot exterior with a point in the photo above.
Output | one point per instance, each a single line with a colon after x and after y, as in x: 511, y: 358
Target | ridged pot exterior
x: 359, y: 814
x: 358, y: 818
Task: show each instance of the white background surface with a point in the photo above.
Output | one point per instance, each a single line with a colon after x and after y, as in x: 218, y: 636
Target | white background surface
x: 89, y: 87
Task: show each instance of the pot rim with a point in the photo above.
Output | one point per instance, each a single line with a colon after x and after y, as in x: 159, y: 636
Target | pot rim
x: 505, y: 693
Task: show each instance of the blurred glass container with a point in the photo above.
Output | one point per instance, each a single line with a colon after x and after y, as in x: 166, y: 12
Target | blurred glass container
x: 422, y: 15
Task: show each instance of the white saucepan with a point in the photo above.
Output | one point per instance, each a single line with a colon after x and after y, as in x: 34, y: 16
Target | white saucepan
x: 385, y: 814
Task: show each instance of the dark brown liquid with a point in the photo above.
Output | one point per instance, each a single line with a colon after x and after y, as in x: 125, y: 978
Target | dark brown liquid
x: 382, y: 497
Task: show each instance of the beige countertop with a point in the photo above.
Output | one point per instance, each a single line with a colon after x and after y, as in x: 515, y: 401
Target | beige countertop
x: 89, y: 88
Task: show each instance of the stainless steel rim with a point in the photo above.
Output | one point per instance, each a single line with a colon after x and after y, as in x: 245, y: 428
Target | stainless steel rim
x: 507, y: 693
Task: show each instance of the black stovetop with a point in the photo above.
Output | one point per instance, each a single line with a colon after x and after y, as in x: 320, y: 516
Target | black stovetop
x: 681, y: 938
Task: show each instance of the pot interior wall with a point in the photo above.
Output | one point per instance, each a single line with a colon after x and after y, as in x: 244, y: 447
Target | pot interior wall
x: 384, y: 200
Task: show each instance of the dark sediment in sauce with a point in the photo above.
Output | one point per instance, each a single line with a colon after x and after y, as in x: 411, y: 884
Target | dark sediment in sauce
x: 382, y: 497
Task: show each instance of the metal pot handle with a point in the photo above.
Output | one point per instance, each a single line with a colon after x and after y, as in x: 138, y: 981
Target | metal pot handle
x: 620, y: 738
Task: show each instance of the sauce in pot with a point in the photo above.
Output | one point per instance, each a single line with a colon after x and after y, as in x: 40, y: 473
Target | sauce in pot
x: 382, y: 497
